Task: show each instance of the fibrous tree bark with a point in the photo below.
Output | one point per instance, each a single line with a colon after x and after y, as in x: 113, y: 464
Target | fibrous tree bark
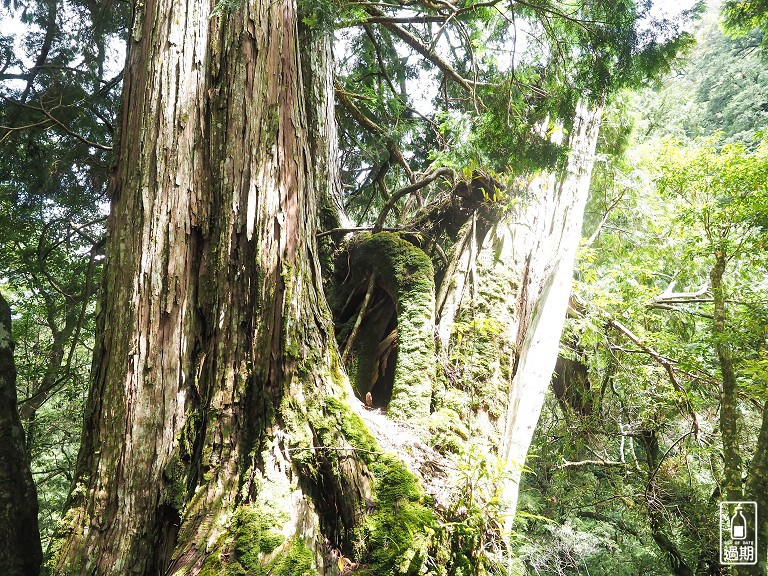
x: 208, y: 412
x: 218, y: 433
x: 20, y: 552
x: 545, y: 292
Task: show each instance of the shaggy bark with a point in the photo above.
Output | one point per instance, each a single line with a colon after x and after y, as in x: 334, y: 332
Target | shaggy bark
x: 20, y: 553
x: 214, y: 354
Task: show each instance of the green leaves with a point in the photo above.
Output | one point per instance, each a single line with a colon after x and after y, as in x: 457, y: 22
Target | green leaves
x: 483, y: 85
x: 743, y: 16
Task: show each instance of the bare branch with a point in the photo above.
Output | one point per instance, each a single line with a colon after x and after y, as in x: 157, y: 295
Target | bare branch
x: 416, y: 19
x: 568, y: 464
x: 428, y: 179
x: 354, y: 229
x: 361, y: 314
x: 424, y: 50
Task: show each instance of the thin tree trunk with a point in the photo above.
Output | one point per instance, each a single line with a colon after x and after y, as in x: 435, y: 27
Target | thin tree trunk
x: 20, y: 552
x: 729, y: 408
x: 215, y: 361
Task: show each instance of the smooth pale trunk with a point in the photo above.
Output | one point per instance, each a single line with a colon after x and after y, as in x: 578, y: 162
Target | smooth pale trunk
x: 556, y: 231
x: 523, y: 271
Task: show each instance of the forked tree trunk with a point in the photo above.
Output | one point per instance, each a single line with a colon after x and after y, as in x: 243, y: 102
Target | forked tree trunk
x: 20, y: 553
x: 215, y: 354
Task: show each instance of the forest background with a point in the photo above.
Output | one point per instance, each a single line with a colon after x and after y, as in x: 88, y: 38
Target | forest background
x: 658, y: 408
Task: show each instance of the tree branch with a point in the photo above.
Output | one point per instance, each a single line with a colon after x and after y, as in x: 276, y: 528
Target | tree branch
x: 665, y: 363
x: 568, y: 464
x: 424, y: 50
x: 417, y: 19
x: 361, y: 314
x: 431, y: 177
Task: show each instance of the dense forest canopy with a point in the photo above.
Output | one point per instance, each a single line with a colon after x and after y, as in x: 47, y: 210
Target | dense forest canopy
x: 381, y: 288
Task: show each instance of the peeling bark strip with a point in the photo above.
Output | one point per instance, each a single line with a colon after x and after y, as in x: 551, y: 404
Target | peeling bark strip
x: 554, y: 234
x: 20, y: 553
x: 213, y: 333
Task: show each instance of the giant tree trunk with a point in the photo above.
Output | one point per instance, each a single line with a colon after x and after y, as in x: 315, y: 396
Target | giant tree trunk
x: 545, y: 291
x: 20, y: 553
x: 215, y: 384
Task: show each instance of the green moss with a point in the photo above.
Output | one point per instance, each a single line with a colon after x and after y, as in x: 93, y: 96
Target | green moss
x: 351, y: 425
x: 296, y: 561
x: 254, y: 547
x: 365, y: 348
x: 406, y: 273
x: 398, y: 535
x: 253, y: 529
x: 75, y: 516
x: 447, y: 431
x: 213, y: 567
x: 175, y: 477
x: 334, y: 422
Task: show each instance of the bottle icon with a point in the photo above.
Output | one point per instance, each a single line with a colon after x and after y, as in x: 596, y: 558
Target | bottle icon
x: 738, y: 525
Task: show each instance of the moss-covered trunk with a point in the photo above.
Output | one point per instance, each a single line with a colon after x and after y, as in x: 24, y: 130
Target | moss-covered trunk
x: 729, y: 409
x: 756, y: 489
x: 20, y: 553
x: 210, y: 444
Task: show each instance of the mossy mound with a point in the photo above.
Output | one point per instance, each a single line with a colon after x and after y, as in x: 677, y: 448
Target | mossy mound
x: 400, y: 533
x: 405, y: 281
x: 254, y: 546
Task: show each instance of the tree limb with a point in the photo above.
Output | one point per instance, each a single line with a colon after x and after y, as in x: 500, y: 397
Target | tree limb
x: 428, y: 179
x: 664, y: 363
x: 424, y: 50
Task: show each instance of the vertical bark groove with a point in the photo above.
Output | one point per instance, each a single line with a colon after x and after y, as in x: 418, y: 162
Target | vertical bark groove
x: 212, y: 323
